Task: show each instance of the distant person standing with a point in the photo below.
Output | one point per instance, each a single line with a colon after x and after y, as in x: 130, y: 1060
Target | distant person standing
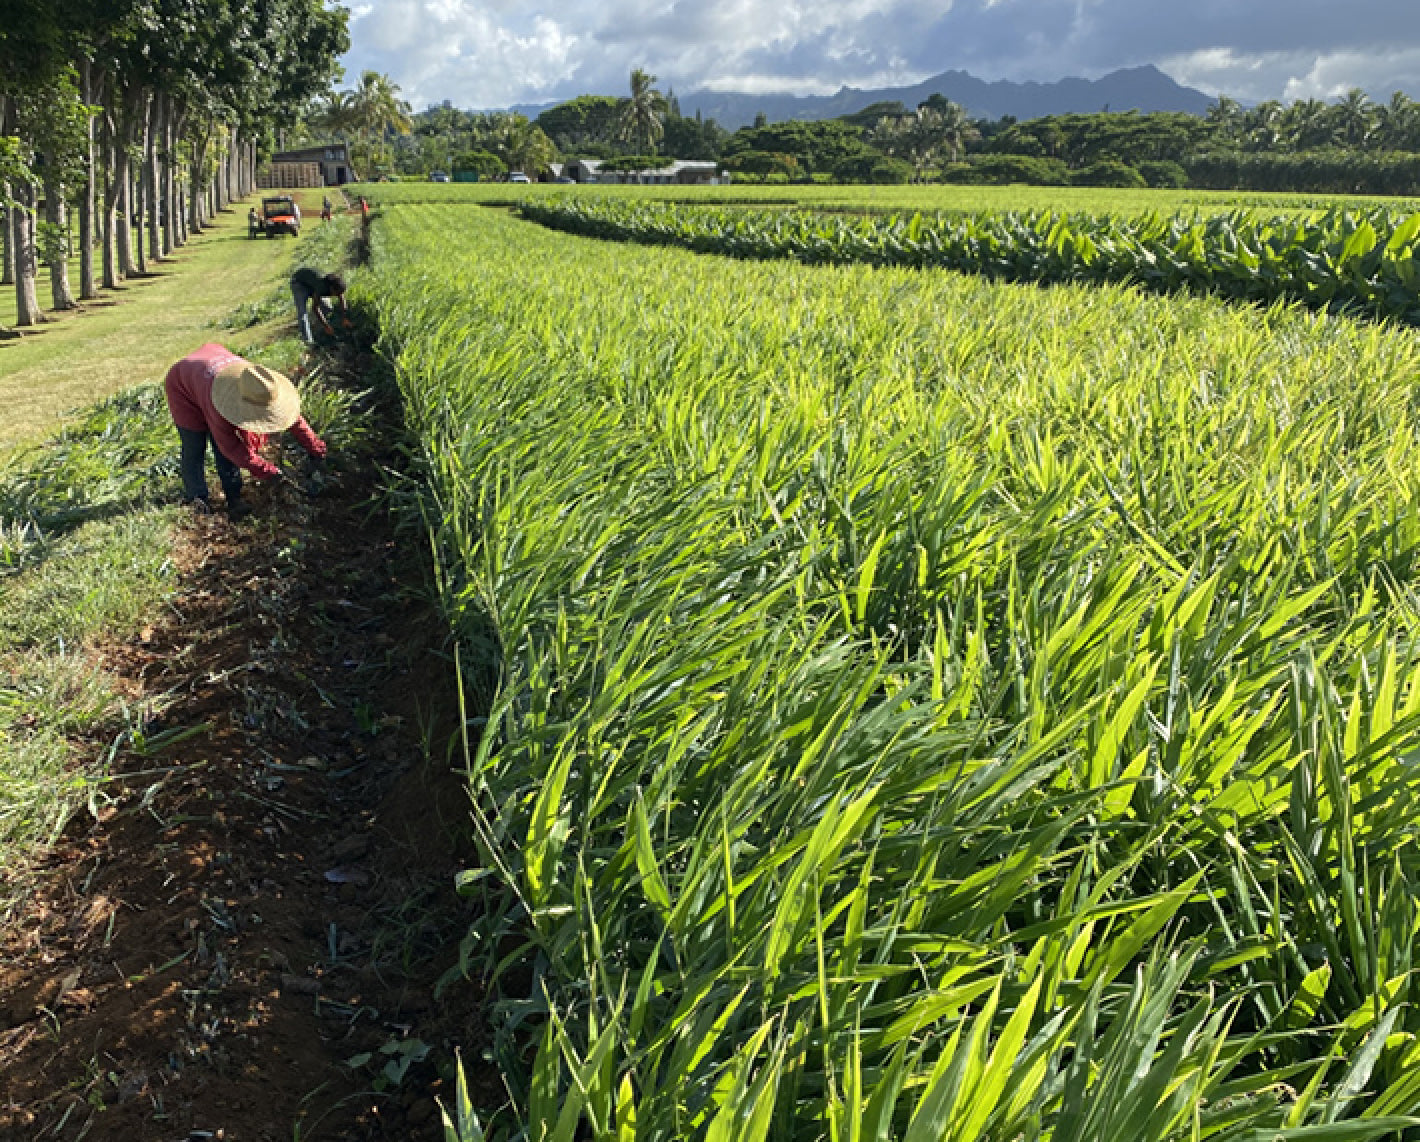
x: 310, y: 289
x: 325, y: 209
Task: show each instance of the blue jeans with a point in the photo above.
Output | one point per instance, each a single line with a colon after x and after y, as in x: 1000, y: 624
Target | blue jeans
x: 194, y: 478
x: 304, y: 299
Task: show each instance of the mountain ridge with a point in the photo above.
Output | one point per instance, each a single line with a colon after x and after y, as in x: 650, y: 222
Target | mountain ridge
x: 1144, y: 88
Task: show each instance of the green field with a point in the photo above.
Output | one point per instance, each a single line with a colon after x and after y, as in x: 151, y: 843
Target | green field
x: 896, y: 198
x: 900, y: 704
x: 921, y: 707
x: 1360, y: 262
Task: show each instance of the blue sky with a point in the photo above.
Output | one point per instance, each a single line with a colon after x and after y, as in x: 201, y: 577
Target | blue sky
x: 490, y: 53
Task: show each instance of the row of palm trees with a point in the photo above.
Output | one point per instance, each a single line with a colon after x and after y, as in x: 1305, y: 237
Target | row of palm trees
x: 372, y: 111
x: 1353, y: 122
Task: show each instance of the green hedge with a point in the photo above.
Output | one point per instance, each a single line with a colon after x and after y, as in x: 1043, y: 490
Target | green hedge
x: 1308, y: 172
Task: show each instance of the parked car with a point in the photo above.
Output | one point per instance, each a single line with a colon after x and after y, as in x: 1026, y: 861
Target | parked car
x: 518, y: 176
x: 438, y: 176
x: 563, y: 178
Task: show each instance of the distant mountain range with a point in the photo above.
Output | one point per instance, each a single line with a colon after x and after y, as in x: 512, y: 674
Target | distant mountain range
x: 1131, y: 89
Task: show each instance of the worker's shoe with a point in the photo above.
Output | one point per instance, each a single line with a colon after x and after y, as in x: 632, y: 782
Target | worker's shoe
x: 238, y: 510
x: 199, y: 505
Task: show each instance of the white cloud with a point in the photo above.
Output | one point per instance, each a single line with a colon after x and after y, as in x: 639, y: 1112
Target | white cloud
x: 1297, y: 75
x: 484, y: 53
x: 461, y: 50
x: 1335, y: 74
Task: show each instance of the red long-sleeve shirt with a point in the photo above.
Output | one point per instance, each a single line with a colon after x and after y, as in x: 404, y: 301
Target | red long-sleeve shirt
x: 189, y: 390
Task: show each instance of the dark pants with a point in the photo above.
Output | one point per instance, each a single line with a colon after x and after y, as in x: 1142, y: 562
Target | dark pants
x: 194, y: 456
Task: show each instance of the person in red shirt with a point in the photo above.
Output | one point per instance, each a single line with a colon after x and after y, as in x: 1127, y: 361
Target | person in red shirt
x: 214, y: 393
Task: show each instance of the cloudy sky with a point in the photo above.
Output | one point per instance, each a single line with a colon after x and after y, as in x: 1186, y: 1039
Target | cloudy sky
x: 490, y: 53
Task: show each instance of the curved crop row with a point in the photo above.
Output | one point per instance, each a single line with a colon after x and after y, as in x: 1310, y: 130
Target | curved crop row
x: 1341, y: 261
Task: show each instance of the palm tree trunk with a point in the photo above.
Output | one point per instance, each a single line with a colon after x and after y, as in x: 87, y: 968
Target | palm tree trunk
x: 123, y: 179
x: 172, y: 178
x: 88, y: 287
x: 135, y: 197
x: 220, y: 178
x: 152, y: 179
x: 7, y: 245
x: 22, y: 240
x: 197, y: 190
x: 110, y: 204
x: 56, y: 213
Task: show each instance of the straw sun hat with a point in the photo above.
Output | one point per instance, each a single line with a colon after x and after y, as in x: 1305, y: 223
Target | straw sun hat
x: 255, y: 398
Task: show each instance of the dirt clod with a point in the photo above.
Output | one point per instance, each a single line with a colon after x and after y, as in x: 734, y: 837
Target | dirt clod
x: 299, y: 985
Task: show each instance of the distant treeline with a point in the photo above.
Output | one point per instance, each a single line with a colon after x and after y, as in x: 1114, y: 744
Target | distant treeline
x: 1352, y: 145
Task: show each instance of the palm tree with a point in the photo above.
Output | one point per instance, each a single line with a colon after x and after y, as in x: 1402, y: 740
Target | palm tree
x: 376, y: 108
x: 1355, y: 118
x: 955, y: 130
x: 1264, y: 126
x: 1398, y: 121
x: 1308, y: 124
x: 640, y: 120
x: 335, y: 113
x: 1225, y: 117
x: 933, y: 131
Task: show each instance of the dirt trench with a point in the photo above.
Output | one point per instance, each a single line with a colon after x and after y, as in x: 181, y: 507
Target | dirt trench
x: 265, y: 892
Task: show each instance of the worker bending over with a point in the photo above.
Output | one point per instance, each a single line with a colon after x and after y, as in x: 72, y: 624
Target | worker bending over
x: 213, y: 393
x: 310, y: 289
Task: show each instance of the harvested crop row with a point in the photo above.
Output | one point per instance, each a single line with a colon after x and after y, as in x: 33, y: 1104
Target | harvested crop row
x: 922, y: 708
x: 1360, y: 262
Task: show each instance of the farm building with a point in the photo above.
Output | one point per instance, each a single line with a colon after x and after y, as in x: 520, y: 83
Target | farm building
x: 326, y: 165
x: 682, y: 172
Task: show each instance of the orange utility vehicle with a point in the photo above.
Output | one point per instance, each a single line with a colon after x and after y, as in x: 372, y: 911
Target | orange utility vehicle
x: 279, y: 215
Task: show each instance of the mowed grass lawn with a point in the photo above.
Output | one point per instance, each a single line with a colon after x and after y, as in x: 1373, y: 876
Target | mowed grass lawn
x: 132, y: 334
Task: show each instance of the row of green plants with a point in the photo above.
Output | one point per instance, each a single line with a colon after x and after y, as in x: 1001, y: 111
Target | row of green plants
x: 1358, y: 261
x: 908, y: 706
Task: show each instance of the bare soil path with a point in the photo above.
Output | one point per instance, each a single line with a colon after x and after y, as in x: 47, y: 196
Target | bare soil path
x: 267, y: 896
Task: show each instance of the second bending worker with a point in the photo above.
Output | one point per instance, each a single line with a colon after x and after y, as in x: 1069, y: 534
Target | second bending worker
x: 309, y: 289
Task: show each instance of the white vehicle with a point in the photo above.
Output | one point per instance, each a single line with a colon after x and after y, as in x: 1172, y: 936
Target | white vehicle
x: 518, y: 176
